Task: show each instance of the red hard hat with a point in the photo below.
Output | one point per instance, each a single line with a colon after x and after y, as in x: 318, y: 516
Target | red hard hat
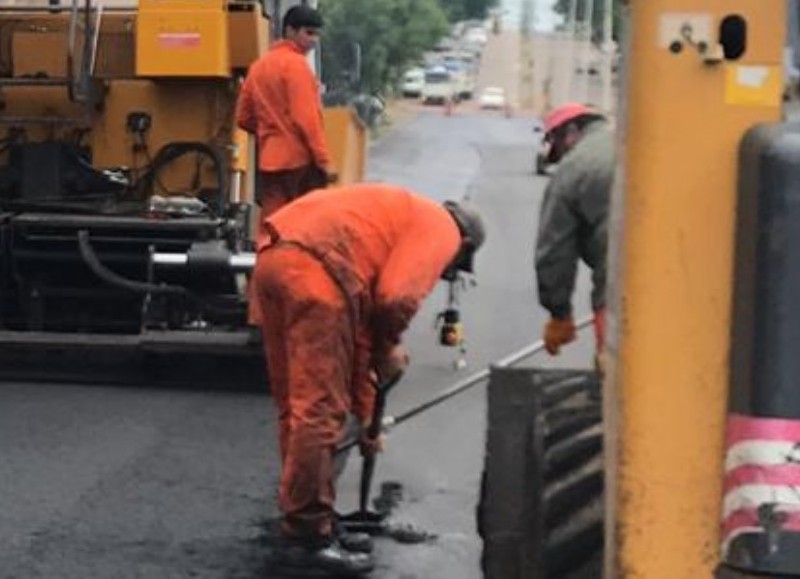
x: 564, y: 114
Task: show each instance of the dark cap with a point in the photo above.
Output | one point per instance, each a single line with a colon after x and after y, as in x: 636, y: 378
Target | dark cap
x: 472, y: 229
x: 302, y: 16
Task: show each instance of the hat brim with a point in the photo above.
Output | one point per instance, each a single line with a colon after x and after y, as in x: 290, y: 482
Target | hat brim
x: 466, y: 262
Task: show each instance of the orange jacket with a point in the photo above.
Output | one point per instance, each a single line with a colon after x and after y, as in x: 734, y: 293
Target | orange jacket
x: 386, y: 246
x: 280, y: 104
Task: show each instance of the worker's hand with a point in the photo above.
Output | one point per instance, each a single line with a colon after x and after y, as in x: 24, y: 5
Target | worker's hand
x: 557, y: 333
x: 370, y: 446
x: 390, y: 363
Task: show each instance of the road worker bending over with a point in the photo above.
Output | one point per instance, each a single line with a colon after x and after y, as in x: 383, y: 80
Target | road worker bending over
x: 339, y: 277
x: 574, y: 218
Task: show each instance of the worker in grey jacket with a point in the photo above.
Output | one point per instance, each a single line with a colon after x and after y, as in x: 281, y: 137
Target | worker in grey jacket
x: 574, y: 218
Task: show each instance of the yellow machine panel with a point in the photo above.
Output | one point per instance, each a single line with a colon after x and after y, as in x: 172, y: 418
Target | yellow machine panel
x: 247, y: 33
x: 701, y: 72
x: 347, y: 138
x: 182, y: 38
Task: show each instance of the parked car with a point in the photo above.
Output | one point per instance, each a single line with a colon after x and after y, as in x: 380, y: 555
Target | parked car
x: 493, y: 97
x: 438, y: 87
x: 413, y: 81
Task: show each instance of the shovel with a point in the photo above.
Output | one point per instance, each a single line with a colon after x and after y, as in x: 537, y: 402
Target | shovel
x: 363, y: 520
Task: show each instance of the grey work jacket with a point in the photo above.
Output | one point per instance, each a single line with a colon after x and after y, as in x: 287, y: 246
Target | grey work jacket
x: 574, y: 219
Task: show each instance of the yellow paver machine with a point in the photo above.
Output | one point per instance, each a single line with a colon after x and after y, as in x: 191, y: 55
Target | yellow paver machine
x: 118, y: 141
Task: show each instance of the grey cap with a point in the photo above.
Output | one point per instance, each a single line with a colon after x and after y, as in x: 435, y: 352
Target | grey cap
x: 473, y: 231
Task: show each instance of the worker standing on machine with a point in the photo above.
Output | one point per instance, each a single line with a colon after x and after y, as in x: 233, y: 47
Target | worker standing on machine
x: 574, y: 219
x: 339, y: 276
x: 280, y: 103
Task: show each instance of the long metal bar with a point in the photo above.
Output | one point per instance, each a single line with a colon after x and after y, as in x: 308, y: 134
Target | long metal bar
x: 465, y: 384
x: 237, y: 262
x: 475, y: 379
x: 608, y: 54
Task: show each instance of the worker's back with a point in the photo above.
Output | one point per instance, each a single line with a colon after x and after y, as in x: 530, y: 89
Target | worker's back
x: 386, y: 243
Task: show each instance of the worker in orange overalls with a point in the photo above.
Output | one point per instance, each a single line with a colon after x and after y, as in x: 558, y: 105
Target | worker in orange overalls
x: 339, y: 277
x: 280, y: 104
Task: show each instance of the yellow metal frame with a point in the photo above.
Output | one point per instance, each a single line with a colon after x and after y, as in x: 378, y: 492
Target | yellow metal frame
x: 347, y: 138
x: 182, y: 38
x: 672, y: 253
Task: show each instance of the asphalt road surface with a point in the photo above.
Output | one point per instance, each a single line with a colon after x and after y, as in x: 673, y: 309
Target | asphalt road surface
x: 100, y: 482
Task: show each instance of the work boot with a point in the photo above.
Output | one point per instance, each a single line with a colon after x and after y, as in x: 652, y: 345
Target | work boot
x: 353, y: 542
x: 330, y: 558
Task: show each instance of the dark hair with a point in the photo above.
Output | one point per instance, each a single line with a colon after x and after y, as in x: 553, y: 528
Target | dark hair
x: 302, y: 16
x: 579, y: 123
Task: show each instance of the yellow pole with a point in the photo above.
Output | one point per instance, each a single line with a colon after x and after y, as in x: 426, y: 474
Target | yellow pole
x: 672, y: 248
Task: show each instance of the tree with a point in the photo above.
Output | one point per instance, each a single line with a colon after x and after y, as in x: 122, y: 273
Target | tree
x: 467, y: 9
x: 390, y: 36
x: 563, y: 7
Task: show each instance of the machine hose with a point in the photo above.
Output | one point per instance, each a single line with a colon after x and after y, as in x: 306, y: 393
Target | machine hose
x: 93, y: 263
x: 173, y: 151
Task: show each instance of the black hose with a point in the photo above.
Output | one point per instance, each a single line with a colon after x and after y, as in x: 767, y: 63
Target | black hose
x: 93, y: 263
x: 172, y: 151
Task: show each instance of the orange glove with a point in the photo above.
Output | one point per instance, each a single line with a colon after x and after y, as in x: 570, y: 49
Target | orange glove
x: 557, y: 333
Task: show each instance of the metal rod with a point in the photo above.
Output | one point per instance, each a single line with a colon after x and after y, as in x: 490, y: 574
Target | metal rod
x: 569, y: 68
x: 476, y: 378
x: 465, y: 384
x: 608, y: 54
x: 586, y: 49
x: 237, y: 262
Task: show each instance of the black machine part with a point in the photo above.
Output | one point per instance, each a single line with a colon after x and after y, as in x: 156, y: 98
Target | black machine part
x: 52, y: 171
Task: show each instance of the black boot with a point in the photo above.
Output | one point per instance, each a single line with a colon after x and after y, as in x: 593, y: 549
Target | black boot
x: 330, y: 558
x: 353, y: 542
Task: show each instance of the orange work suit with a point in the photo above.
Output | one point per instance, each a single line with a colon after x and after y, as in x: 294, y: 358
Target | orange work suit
x: 279, y: 102
x: 340, y: 277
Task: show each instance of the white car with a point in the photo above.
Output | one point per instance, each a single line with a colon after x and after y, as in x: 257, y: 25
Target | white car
x: 413, y: 81
x: 493, y: 97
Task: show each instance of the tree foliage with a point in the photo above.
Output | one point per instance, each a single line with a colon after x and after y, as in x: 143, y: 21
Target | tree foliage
x: 467, y: 9
x: 390, y: 34
x: 563, y: 7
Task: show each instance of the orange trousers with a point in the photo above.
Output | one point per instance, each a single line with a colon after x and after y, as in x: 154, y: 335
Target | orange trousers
x: 276, y: 189
x: 309, y: 347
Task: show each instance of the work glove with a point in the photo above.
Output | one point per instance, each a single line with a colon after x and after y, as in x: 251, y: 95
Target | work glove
x: 370, y: 446
x: 558, y: 332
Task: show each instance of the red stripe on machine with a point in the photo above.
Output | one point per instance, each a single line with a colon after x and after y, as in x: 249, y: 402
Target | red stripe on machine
x: 755, y: 474
x: 743, y: 428
x: 179, y: 39
x: 763, y: 472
